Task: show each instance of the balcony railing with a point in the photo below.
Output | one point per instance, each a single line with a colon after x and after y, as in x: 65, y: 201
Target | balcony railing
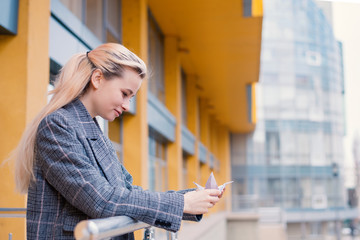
x: 105, y: 228
x: 12, y: 213
x: 96, y: 229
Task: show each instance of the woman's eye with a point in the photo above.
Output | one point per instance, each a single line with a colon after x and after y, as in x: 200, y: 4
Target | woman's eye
x: 125, y: 94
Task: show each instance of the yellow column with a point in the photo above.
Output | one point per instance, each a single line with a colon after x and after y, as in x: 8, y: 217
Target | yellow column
x: 193, y: 126
x: 24, y: 67
x: 173, y: 103
x: 217, y: 140
x: 257, y: 8
x: 204, y: 124
x: 205, y: 139
x: 213, y: 138
x: 115, y: 130
x: 136, y: 132
x: 225, y: 164
x: 135, y: 145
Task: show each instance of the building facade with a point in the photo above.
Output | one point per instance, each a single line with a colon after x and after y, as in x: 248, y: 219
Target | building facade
x: 294, y: 159
x: 178, y: 129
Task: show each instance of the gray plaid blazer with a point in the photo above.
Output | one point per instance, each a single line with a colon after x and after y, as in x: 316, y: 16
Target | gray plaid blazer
x: 78, y: 176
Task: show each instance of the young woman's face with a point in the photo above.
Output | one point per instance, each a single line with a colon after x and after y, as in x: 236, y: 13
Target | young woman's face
x: 111, y: 98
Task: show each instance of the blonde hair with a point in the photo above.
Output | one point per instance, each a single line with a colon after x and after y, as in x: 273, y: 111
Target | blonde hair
x: 74, y: 77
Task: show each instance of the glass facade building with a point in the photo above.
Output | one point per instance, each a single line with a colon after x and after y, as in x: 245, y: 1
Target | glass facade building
x: 294, y: 158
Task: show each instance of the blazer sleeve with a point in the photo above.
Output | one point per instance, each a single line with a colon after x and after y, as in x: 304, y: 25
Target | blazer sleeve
x: 187, y: 216
x: 66, y: 166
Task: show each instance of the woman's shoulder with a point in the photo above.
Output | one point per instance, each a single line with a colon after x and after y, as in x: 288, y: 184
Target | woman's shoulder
x: 61, y: 117
x: 73, y: 117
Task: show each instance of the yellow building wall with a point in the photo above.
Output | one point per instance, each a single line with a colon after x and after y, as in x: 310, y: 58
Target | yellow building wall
x: 136, y: 132
x: 24, y: 64
x: 24, y: 67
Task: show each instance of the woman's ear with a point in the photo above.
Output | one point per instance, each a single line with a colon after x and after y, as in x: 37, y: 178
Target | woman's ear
x: 96, y: 78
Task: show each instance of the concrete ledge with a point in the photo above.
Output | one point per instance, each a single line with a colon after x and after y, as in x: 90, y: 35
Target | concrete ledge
x: 242, y: 216
x: 242, y: 226
x: 272, y: 231
x: 223, y: 225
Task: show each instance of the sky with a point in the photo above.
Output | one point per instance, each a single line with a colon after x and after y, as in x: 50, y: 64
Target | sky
x: 346, y: 21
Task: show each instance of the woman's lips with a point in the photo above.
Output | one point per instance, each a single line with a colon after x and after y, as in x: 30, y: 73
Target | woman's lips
x: 118, y: 113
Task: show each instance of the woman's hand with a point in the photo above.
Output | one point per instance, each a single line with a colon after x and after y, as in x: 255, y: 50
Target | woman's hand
x: 199, y: 202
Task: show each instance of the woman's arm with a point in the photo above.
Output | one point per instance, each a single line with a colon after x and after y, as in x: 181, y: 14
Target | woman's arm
x: 66, y: 166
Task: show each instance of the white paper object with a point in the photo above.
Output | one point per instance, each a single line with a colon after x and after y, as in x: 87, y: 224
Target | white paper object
x: 211, y: 184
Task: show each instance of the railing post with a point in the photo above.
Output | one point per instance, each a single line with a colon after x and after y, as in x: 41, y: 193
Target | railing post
x: 149, y: 233
x: 172, y: 236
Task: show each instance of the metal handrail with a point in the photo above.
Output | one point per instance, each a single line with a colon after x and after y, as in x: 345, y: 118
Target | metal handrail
x: 12, y: 212
x: 97, y: 229
x: 107, y: 227
x: 12, y: 209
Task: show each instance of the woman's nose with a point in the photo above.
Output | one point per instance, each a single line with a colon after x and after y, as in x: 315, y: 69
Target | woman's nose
x: 126, y: 105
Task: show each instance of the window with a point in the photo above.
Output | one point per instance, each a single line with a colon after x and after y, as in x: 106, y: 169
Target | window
x: 116, y: 136
x: 113, y: 21
x: 156, y: 60
x: 288, y: 147
x: 304, y: 146
x: 313, y: 58
x: 273, y: 147
x: 275, y: 190
x: 94, y: 18
x: 103, y: 18
x: 183, y: 98
x: 158, y: 165
x: 291, y: 196
x: 238, y: 149
x: 76, y: 7
x: 304, y: 82
x: 316, y: 228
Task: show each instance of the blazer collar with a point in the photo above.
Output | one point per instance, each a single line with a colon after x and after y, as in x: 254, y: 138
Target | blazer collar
x: 90, y: 125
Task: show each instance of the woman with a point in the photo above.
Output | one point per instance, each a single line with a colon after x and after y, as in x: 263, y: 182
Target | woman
x: 69, y: 168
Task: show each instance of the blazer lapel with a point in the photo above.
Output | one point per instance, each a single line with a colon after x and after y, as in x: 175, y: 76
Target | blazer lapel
x: 107, y: 160
x: 101, y: 147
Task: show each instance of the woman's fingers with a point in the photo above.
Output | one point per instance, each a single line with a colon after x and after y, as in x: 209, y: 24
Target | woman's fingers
x: 198, y: 202
x: 222, y: 193
x: 213, y: 192
x: 214, y: 199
